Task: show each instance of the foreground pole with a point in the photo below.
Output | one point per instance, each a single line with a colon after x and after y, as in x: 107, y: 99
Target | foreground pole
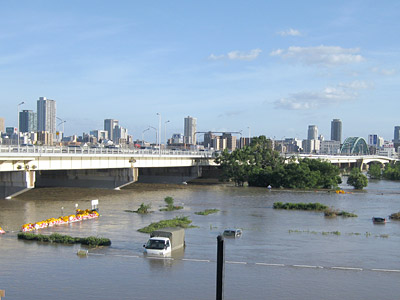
x: 220, y: 267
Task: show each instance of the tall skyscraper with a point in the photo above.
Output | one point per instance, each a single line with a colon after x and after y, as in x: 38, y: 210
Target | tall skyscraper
x: 27, y: 121
x: 109, y: 125
x: 46, y: 115
x: 190, y: 130
x: 336, y: 130
x: 396, y: 134
x: 2, y: 128
x: 312, y: 132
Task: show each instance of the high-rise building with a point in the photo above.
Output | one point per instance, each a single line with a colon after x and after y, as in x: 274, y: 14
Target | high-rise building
x: 46, y: 115
x: 373, y: 140
x: 312, y: 132
x: 396, y: 134
x: 109, y: 125
x: 190, y: 130
x: 100, y: 134
x: 336, y: 130
x: 27, y: 121
x: 2, y: 128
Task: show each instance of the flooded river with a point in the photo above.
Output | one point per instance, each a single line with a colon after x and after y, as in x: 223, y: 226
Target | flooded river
x: 281, y: 254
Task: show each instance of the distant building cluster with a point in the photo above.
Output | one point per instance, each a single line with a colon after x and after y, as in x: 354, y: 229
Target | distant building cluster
x: 40, y: 128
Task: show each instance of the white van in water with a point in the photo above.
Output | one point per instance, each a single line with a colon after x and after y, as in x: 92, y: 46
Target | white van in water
x: 164, y: 241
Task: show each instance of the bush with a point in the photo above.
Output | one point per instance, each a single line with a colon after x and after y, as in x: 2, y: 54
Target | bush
x: 357, y: 179
x: 170, y: 205
x: 176, y: 222
x: 64, y: 239
x: 300, y: 206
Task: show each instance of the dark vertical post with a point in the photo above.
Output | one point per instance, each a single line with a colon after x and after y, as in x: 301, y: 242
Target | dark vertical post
x: 220, y: 267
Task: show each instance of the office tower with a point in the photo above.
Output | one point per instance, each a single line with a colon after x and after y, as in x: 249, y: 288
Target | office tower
x: 2, y: 125
x: 46, y: 115
x: 99, y: 134
x: 396, y: 134
x: 230, y: 141
x: 190, y: 130
x: 373, y: 140
x: 109, y: 125
x: 312, y: 132
x: 27, y: 121
x: 336, y: 130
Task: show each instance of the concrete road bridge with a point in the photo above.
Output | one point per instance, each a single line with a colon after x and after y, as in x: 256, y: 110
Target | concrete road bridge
x: 23, y: 168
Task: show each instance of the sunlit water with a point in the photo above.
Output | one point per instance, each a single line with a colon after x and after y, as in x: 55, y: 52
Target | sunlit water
x: 289, y: 239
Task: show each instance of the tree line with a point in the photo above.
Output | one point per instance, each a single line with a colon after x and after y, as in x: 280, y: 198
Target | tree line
x: 259, y: 165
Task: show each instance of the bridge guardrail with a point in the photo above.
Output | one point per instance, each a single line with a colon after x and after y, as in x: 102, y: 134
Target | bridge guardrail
x: 101, y: 151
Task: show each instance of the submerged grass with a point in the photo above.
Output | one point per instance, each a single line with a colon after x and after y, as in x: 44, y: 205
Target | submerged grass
x: 183, y: 222
x: 300, y: 206
x: 331, y: 212
x: 395, y: 216
x: 207, y: 212
x: 64, y: 239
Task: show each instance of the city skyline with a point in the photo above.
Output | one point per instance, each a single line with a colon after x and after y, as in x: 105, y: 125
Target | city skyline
x: 271, y: 67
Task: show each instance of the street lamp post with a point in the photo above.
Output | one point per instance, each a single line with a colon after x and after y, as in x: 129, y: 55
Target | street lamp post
x: 18, y: 122
x: 159, y: 133
x: 156, y: 132
x: 165, y: 132
x: 143, y: 136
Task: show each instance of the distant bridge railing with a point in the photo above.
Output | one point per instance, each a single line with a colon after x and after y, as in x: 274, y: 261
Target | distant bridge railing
x: 102, y: 151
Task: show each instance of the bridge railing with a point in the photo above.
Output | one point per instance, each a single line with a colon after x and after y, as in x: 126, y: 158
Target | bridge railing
x: 101, y: 151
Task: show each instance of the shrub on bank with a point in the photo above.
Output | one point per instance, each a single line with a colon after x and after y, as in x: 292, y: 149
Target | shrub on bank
x: 64, y: 239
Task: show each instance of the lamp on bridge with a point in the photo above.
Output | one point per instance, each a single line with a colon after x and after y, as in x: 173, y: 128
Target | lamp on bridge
x: 18, y: 122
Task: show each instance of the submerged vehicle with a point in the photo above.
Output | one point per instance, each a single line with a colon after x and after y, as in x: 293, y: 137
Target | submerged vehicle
x: 379, y: 220
x: 232, y: 232
x: 164, y: 241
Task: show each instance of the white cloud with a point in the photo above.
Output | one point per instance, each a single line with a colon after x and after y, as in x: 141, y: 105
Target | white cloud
x: 386, y: 72
x: 329, y: 95
x: 289, y: 32
x: 320, y: 55
x: 237, y: 55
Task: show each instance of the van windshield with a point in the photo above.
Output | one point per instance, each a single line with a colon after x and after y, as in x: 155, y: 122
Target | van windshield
x: 155, y: 244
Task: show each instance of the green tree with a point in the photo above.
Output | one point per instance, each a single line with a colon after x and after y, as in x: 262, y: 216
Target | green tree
x: 375, y: 171
x: 357, y: 179
x: 392, y: 171
x: 259, y: 165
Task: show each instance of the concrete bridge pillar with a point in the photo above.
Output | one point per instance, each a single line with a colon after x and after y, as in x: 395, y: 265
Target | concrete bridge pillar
x: 15, y: 183
x: 91, y: 178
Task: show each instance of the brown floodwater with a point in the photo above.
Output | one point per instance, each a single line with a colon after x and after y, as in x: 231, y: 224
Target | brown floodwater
x: 280, y: 255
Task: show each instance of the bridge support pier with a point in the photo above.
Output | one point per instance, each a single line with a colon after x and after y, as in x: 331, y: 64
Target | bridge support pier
x: 15, y: 183
x: 89, y: 178
x: 169, y: 175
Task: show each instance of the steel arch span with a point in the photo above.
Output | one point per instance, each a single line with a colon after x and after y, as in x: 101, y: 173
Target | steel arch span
x: 355, y: 145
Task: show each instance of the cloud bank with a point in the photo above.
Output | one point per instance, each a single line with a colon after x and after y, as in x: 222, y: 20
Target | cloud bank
x: 289, y: 32
x: 329, y: 95
x: 320, y: 55
x: 237, y: 55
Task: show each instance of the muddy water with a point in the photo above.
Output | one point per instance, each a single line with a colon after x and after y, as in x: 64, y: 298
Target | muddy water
x: 281, y: 254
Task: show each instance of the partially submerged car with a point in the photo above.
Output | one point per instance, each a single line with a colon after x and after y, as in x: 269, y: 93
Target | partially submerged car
x: 232, y: 232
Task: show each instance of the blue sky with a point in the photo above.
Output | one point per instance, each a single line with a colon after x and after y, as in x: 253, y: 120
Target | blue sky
x: 272, y: 66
